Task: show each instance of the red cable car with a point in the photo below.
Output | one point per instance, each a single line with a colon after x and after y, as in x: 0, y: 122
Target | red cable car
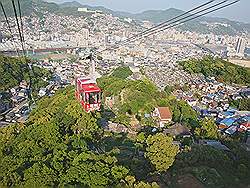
x: 88, y: 94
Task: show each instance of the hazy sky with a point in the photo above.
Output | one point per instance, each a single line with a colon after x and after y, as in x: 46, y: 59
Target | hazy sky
x: 239, y: 11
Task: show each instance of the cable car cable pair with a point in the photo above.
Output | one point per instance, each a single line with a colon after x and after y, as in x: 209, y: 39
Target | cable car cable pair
x: 191, y: 18
x: 22, y: 39
x: 152, y: 31
x: 9, y: 29
x: 167, y: 22
x: 166, y: 25
x: 18, y: 26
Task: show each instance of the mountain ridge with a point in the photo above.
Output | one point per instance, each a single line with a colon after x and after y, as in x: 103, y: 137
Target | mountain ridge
x: 206, y: 25
x: 224, y: 25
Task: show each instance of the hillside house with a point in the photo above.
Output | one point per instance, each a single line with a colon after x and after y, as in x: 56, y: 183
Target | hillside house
x: 163, y: 115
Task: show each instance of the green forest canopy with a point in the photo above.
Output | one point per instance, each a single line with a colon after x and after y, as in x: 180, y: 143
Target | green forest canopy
x: 61, y: 145
x: 222, y: 70
x: 57, y: 147
x: 122, y: 72
x: 142, y: 96
x: 13, y: 71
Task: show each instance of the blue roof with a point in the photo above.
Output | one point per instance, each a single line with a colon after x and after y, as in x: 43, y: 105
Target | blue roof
x: 247, y: 118
x: 232, y: 109
x: 228, y: 113
x: 210, y: 95
x: 228, y: 121
x: 231, y: 130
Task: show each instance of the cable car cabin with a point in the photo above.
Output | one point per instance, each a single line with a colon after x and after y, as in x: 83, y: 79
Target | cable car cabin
x: 88, y: 94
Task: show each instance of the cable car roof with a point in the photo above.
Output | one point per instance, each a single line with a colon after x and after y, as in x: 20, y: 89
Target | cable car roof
x: 90, y: 88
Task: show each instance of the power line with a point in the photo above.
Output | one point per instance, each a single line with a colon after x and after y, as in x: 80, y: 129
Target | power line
x: 172, y: 21
x: 21, y: 21
x: 163, y: 23
x: 180, y: 21
x: 18, y: 26
x: 169, y: 20
x: 9, y: 28
x: 176, y: 21
x: 192, y: 18
x: 21, y: 35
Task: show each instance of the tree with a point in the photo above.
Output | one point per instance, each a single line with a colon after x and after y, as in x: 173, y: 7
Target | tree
x: 57, y: 147
x: 14, y: 70
x: 218, y: 68
x: 161, y: 151
x: 122, y: 72
x: 168, y: 89
x: 207, y: 129
x: 241, y: 104
x: 141, y: 137
x: 130, y: 182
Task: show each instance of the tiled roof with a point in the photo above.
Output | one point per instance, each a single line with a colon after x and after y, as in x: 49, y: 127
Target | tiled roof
x: 165, y: 113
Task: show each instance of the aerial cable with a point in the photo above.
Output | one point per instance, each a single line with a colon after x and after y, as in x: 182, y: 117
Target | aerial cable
x: 164, y: 24
x: 191, y: 15
x: 21, y: 21
x: 18, y: 26
x: 178, y: 23
x: 29, y: 67
x: 169, y: 20
x: 163, y: 29
x: 9, y: 28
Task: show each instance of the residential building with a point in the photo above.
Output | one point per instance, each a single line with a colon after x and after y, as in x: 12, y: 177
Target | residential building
x: 163, y: 115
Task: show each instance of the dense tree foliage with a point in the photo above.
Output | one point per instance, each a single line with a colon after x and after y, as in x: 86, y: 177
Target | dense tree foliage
x: 241, y: 104
x: 206, y: 129
x: 130, y: 182
x: 161, y: 151
x: 142, y: 96
x: 213, y: 167
x: 62, y: 146
x: 13, y: 71
x: 56, y: 147
x: 122, y: 72
x: 133, y: 96
x: 183, y: 113
x: 169, y: 89
x: 223, y: 71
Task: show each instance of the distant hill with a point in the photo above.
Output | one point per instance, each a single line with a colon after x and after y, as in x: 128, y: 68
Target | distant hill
x: 201, y: 25
x: 30, y: 6
x: 71, y: 4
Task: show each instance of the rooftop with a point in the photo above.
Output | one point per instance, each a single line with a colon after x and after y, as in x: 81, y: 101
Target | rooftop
x: 90, y: 88
x: 164, y: 113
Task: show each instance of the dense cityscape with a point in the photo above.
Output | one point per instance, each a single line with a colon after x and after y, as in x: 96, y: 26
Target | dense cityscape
x: 167, y: 100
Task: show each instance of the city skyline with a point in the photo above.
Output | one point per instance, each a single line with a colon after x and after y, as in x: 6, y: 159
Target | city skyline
x: 238, y: 12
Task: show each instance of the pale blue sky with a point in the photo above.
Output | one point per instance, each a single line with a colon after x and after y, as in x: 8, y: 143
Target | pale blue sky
x: 239, y: 11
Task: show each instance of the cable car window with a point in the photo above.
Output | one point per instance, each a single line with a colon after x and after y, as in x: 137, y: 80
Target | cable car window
x: 82, y: 97
x: 100, y: 96
x: 93, y: 98
x: 87, y: 98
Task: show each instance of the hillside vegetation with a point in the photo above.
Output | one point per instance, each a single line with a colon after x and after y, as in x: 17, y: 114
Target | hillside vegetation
x: 58, y: 146
x: 62, y: 146
x: 13, y: 71
x: 137, y: 97
x: 223, y: 71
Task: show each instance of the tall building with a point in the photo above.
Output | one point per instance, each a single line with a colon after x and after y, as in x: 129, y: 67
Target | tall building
x: 240, y: 46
